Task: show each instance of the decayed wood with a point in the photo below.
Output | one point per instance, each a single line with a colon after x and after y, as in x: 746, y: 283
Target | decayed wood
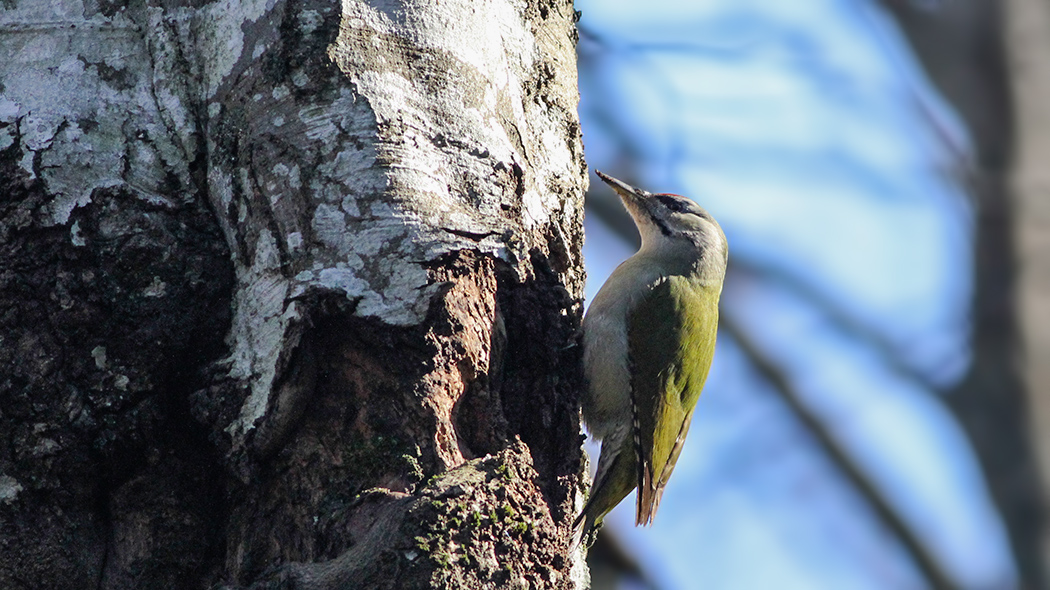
x: 289, y: 294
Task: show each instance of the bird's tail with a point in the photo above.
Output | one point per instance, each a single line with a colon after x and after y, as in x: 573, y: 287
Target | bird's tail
x: 585, y: 527
x: 615, y: 479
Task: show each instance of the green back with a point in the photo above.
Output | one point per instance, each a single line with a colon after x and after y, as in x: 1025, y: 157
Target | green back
x: 671, y: 341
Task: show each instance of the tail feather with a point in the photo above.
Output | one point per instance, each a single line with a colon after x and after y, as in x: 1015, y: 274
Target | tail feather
x: 585, y: 528
x: 649, y: 492
x: 614, y: 479
x: 646, y: 505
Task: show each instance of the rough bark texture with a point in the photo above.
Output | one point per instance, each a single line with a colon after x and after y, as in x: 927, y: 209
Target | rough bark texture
x: 964, y: 49
x: 289, y: 294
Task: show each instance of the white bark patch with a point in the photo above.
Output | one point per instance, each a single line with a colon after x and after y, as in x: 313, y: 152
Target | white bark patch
x: 99, y: 354
x: 156, y: 289
x: 221, y: 41
x: 261, y: 319
x: 75, y: 235
x: 464, y: 126
x: 9, y: 489
x: 348, y: 163
x: 86, y: 115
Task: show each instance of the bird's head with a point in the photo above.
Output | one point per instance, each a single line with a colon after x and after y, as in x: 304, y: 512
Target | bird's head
x: 672, y: 224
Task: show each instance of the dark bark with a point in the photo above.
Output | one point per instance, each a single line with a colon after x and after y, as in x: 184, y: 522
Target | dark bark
x: 188, y: 401
x: 104, y: 339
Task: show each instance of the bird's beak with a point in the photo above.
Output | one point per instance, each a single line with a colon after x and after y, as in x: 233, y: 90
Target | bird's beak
x: 634, y: 199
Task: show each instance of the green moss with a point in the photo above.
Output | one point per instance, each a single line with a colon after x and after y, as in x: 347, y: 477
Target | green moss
x: 415, y: 470
x: 503, y: 470
x: 372, y: 457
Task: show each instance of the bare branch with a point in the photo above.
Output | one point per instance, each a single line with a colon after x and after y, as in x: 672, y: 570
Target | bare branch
x: 924, y: 559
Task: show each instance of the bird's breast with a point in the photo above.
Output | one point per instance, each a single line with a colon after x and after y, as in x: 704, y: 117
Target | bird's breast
x: 606, y: 402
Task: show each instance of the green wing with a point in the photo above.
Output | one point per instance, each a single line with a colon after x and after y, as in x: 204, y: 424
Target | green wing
x: 671, y: 341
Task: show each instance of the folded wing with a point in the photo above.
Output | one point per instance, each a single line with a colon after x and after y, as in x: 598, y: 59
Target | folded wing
x: 671, y: 338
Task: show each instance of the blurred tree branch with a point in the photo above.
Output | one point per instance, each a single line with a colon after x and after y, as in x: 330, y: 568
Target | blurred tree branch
x: 826, y: 441
x: 612, y: 565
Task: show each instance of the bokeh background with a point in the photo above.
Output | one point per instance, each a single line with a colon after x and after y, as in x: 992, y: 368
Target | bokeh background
x: 867, y: 423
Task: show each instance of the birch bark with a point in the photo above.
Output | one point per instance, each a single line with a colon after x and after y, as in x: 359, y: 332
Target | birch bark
x: 289, y: 293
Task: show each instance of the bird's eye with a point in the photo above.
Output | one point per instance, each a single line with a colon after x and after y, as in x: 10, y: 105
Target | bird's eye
x: 673, y: 204
x: 681, y: 205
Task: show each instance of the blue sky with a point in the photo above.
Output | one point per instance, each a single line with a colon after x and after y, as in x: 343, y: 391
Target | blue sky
x: 808, y: 131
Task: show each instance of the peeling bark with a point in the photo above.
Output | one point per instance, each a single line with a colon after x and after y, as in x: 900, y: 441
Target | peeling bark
x: 289, y: 294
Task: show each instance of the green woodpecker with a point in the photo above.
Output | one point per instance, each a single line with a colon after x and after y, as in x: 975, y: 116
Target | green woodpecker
x: 648, y: 340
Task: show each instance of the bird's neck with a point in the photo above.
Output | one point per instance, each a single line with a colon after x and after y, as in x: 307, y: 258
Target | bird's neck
x: 702, y: 263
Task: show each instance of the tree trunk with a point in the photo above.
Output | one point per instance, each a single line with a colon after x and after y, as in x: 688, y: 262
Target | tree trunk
x: 1028, y: 37
x: 964, y: 48
x: 290, y: 292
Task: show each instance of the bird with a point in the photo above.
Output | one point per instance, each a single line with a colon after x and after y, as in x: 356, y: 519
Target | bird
x: 648, y: 341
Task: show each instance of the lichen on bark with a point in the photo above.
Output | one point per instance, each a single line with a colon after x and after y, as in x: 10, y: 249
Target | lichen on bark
x: 272, y: 272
